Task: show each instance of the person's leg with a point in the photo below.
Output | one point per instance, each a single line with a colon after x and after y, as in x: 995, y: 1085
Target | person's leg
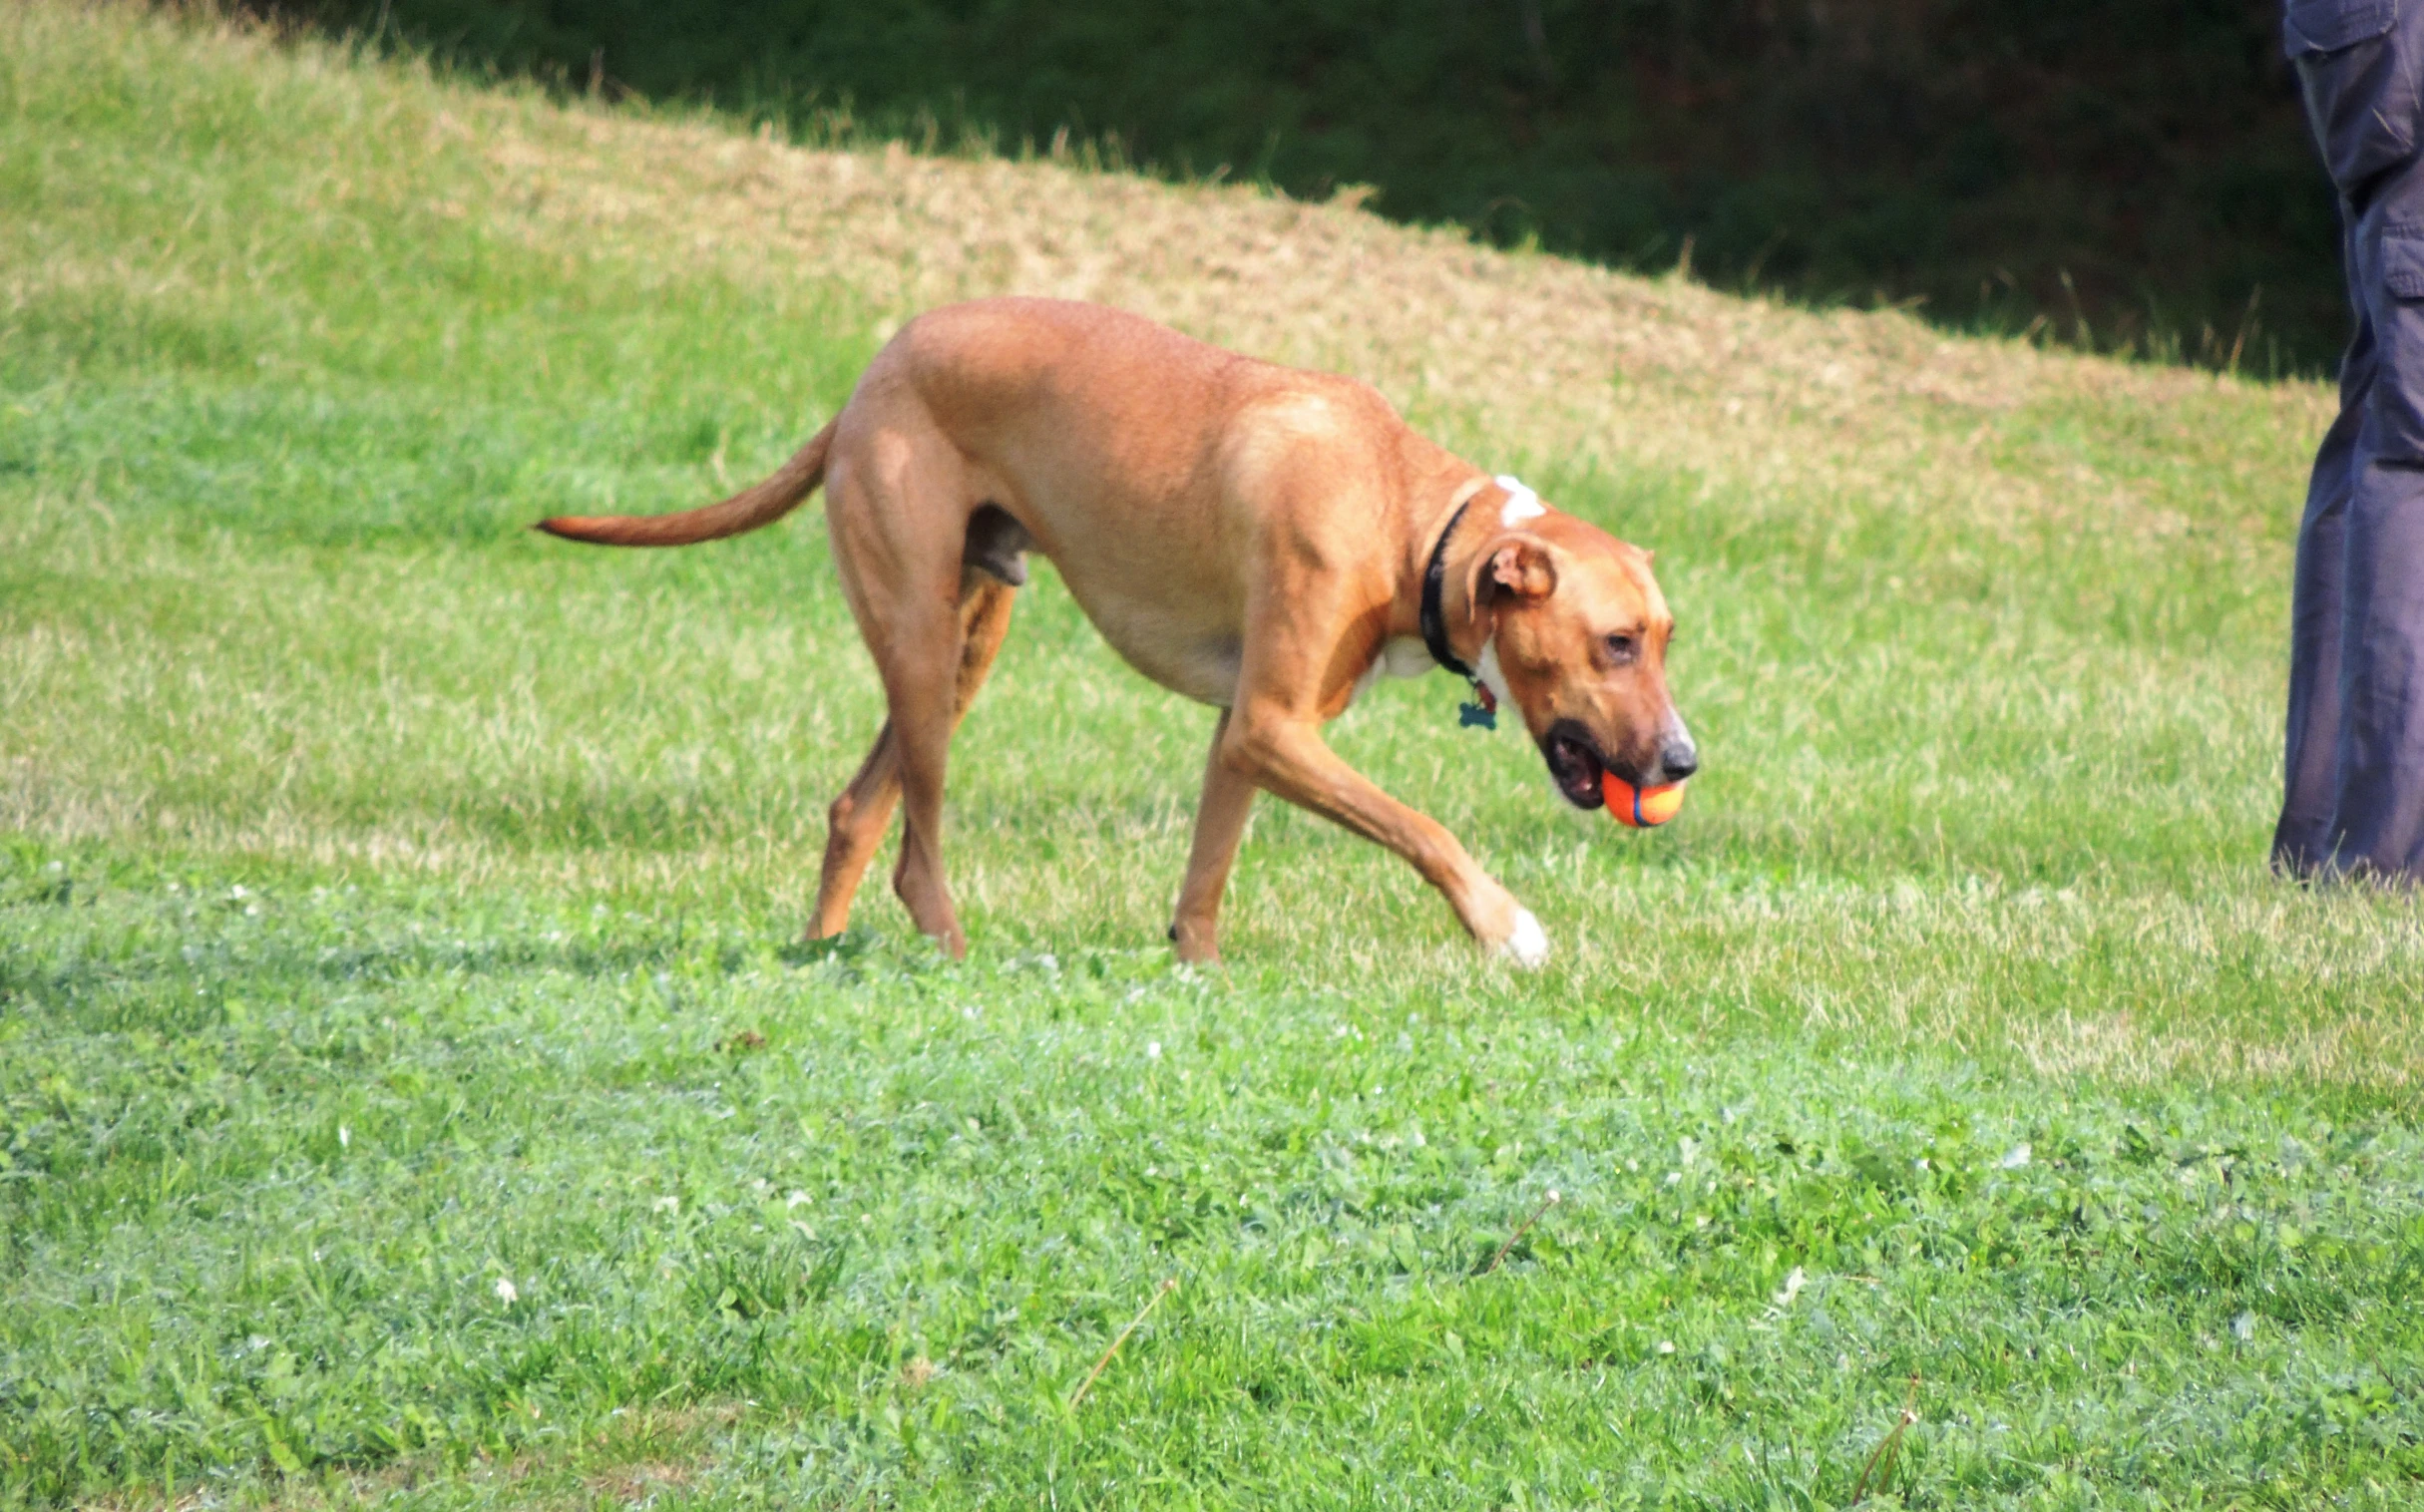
x: 2378, y: 823
x: 2353, y: 777
x: 2378, y: 827
x: 2301, y: 841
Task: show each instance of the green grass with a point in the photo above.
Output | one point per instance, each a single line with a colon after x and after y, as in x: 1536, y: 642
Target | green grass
x: 395, y: 904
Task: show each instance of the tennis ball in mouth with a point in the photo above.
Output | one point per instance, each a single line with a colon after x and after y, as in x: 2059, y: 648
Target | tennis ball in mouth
x: 1640, y: 808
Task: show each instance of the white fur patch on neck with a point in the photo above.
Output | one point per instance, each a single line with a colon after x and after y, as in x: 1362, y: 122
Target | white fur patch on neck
x: 1403, y: 657
x: 1362, y: 684
x: 1486, y: 664
x: 1521, y: 503
x: 1407, y: 656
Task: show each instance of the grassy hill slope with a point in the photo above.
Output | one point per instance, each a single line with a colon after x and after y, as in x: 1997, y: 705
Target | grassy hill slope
x: 2134, y: 170
x: 406, y: 1088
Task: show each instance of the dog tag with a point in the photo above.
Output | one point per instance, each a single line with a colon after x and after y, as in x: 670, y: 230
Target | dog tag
x: 1481, y: 709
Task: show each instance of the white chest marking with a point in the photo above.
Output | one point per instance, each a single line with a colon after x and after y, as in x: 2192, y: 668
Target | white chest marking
x: 1405, y: 656
x: 1493, y: 678
x: 1521, y: 503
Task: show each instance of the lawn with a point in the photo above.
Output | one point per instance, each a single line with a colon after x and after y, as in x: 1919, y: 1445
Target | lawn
x: 413, y: 1090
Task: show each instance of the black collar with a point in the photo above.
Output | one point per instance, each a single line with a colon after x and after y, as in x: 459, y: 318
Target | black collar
x: 1434, y: 622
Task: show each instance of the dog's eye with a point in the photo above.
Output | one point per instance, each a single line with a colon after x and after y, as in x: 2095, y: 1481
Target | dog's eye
x: 1623, y: 648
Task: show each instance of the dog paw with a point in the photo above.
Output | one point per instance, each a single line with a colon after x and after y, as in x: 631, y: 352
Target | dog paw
x: 1527, y: 944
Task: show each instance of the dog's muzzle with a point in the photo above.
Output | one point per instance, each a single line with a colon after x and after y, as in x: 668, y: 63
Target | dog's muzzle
x: 1574, y: 764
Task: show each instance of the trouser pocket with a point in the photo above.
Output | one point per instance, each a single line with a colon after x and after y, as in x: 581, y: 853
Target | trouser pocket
x: 2391, y: 269
x: 2359, y: 82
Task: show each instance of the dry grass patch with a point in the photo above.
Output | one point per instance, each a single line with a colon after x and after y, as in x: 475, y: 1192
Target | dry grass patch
x: 1560, y: 362
x: 1517, y: 356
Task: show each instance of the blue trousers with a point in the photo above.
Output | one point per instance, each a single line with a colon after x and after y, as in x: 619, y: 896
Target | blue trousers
x: 2353, y: 799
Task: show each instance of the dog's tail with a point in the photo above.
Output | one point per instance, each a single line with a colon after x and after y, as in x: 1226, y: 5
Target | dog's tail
x: 747, y: 509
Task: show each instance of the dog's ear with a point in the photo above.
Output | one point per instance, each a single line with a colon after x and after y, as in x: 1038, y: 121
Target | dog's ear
x: 1516, y: 564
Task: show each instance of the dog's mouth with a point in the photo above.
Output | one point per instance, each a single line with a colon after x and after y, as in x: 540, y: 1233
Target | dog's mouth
x: 1576, y: 764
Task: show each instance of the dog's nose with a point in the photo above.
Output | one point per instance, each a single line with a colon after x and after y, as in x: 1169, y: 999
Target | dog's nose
x: 1680, y: 761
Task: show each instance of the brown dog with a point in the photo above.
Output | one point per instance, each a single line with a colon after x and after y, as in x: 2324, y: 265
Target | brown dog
x: 1259, y: 539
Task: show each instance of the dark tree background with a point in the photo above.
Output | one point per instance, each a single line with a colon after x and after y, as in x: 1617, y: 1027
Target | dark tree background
x: 2131, y: 173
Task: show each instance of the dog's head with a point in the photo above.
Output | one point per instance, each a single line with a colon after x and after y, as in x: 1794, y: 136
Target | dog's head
x: 1578, y: 635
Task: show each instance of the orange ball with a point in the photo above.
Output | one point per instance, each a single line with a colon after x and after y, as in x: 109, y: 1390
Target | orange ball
x: 1640, y: 808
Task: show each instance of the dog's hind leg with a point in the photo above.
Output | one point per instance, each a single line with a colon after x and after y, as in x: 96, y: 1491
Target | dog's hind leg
x: 855, y: 826
x: 900, y: 499
x: 863, y: 812
x: 920, y: 666
x: 1220, y: 824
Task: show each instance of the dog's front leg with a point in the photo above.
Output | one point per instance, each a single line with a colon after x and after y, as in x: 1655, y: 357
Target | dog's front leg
x: 1284, y: 752
x: 1220, y: 822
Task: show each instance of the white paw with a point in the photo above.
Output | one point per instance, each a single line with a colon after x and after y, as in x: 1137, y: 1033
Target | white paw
x: 1528, y: 945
